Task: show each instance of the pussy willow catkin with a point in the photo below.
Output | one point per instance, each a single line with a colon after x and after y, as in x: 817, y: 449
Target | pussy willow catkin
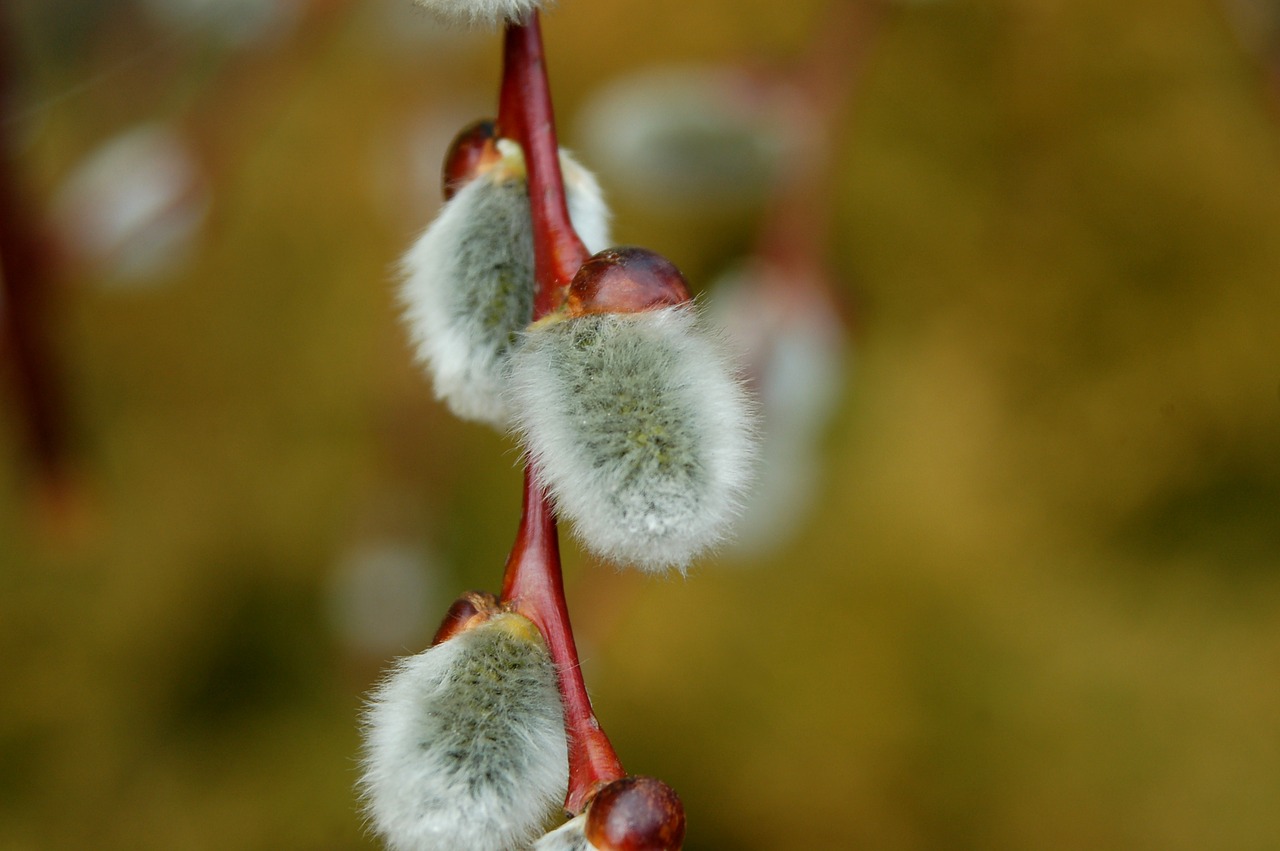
x: 479, y: 12
x: 639, y: 429
x: 468, y: 279
x: 465, y: 744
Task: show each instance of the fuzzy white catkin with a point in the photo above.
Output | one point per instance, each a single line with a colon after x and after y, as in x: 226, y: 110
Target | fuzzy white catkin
x: 640, y: 430
x: 468, y: 279
x: 465, y: 743
x: 570, y: 836
x: 695, y: 144
x: 799, y: 362
x: 479, y: 12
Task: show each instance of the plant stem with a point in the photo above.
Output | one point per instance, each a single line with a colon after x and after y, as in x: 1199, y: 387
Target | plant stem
x: 24, y: 300
x: 525, y: 114
x: 533, y: 583
x: 796, y: 230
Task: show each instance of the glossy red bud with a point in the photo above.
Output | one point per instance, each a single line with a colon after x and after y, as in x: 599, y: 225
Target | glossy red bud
x: 626, y: 280
x: 636, y: 814
x: 471, y: 607
x: 470, y: 153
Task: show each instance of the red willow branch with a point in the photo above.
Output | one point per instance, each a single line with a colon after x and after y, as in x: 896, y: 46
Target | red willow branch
x: 796, y: 230
x: 525, y: 114
x: 24, y: 298
x: 533, y: 583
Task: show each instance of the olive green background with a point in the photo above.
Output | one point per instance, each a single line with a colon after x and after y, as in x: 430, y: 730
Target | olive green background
x: 1036, y: 607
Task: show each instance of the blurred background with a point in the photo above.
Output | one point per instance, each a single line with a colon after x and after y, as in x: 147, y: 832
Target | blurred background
x: 1007, y: 274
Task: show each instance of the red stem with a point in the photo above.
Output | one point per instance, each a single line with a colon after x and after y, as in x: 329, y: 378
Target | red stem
x: 533, y: 583
x: 525, y: 114
x: 24, y: 299
x: 534, y: 586
x: 796, y: 230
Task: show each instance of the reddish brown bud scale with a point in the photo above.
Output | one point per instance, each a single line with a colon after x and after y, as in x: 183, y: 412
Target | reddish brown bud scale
x: 467, y: 611
x: 636, y: 814
x: 626, y: 280
x: 471, y: 152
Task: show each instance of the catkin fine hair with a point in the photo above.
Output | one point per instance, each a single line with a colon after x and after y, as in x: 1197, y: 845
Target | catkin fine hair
x: 465, y: 744
x: 479, y: 13
x: 468, y: 281
x: 570, y: 836
x: 639, y: 429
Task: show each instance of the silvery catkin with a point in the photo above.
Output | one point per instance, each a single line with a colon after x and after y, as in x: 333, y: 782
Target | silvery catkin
x: 468, y: 279
x: 486, y: 13
x: 465, y: 743
x: 639, y: 430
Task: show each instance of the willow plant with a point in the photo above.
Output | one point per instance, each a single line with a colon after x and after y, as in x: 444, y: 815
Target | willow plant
x: 635, y: 429
x: 27, y: 308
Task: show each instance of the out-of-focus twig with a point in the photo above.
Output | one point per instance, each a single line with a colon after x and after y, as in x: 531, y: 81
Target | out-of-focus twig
x: 26, y: 303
